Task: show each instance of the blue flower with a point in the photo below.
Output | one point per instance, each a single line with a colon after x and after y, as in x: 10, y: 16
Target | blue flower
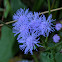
x: 46, y: 26
x: 28, y: 43
x: 34, y: 24
x: 23, y: 18
x: 58, y: 26
x: 56, y: 38
x: 26, y: 28
x: 29, y: 27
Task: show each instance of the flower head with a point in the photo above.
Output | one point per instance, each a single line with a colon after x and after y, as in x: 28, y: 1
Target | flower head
x: 28, y: 43
x: 29, y: 27
x: 35, y: 22
x: 26, y: 28
x: 56, y: 38
x: 46, y: 26
x: 58, y: 26
x: 23, y: 18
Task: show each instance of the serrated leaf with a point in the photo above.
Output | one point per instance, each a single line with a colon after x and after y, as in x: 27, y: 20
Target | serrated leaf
x: 6, y: 44
x: 58, y: 57
x: 44, y: 57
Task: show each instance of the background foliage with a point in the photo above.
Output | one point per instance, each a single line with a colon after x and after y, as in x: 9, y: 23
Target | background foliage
x: 9, y: 51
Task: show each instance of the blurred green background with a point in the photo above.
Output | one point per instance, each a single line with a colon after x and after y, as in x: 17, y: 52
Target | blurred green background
x: 9, y: 50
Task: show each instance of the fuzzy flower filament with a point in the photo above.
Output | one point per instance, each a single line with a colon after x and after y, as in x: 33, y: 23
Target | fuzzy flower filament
x: 28, y: 44
x: 56, y: 38
x: 46, y: 26
x: 29, y: 27
x: 58, y: 26
x: 26, y: 29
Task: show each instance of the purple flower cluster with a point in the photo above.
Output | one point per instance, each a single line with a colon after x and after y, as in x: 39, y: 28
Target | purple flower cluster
x: 58, y: 26
x: 56, y: 38
x: 29, y: 27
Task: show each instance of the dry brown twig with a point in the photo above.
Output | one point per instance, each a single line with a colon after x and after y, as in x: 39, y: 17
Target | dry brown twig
x: 40, y: 14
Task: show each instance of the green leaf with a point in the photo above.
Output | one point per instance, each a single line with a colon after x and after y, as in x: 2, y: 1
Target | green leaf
x: 46, y: 57
x: 7, y: 8
x: 6, y: 44
x: 37, y: 5
x: 58, y: 57
x: 15, y: 5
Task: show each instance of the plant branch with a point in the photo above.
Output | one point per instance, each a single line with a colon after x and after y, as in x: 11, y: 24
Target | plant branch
x: 5, y: 24
x: 39, y: 14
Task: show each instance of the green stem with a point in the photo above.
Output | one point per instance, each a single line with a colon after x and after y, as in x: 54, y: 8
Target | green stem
x: 49, y: 6
x: 5, y: 24
x: 35, y: 58
x: 46, y: 39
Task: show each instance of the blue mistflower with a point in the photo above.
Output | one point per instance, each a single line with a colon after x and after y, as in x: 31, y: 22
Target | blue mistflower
x: 26, y: 28
x: 58, y: 26
x: 56, y: 38
x: 46, y: 26
x: 29, y: 27
x: 23, y: 18
x: 34, y: 24
x: 28, y: 43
